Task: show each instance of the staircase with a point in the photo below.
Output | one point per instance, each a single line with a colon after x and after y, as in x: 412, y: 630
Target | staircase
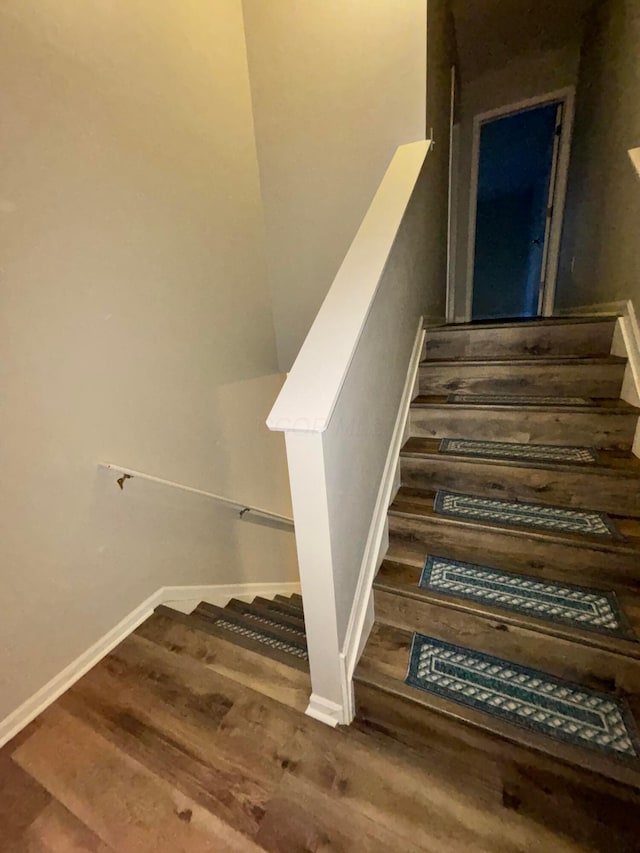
x: 508, y: 605
x: 271, y: 627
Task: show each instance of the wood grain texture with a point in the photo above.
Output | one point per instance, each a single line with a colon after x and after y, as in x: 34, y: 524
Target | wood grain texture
x: 271, y: 676
x: 400, y: 581
x: 571, y: 377
x: 547, y: 339
x: 416, y: 530
x: 384, y: 664
x: 582, y: 807
x: 571, y: 660
x: 610, y: 427
x: 612, y: 485
x: 172, y: 743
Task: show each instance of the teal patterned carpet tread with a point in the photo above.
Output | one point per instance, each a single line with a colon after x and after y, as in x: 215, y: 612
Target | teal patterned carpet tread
x: 517, y: 452
x: 262, y: 636
x: 517, y: 400
x: 527, y: 697
x: 569, y: 604
x: 536, y: 516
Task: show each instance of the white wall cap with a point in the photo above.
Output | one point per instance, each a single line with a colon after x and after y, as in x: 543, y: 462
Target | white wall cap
x: 311, y: 391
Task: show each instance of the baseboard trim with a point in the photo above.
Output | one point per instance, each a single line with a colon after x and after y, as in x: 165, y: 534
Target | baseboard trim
x: 362, y: 615
x: 169, y: 595
x: 186, y: 598
x: 324, y: 710
x: 626, y: 343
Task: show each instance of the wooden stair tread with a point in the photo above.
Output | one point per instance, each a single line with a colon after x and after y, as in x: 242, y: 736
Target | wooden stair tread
x: 615, y: 463
x: 245, y: 620
x: 511, y: 360
x: 417, y: 504
x: 519, y: 324
x: 258, y: 608
x: 525, y: 360
x: 401, y: 579
x: 384, y: 666
x: 611, y: 484
x: 206, y: 625
x: 272, y: 675
x: 600, y: 405
x: 281, y: 607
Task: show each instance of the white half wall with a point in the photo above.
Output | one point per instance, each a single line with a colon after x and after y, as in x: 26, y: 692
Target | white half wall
x: 341, y: 410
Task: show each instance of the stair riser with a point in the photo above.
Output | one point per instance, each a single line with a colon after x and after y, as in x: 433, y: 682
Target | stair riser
x: 411, y: 540
x: 585, y: 380
x: 578, y: 487
x: 545, y: 788
x: 573, y: 339
x: 612, y: 431
x: 491, y: 636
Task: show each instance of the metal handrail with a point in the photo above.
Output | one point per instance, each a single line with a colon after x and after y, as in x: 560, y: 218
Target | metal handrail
x: 243, y: 508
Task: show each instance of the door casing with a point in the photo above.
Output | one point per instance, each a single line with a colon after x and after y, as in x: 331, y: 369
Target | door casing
x: 565, y: 96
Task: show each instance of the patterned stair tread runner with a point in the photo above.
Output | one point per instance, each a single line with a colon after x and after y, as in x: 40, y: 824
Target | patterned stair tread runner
x: 517, y: 400
x: 263, y: 637
x: 527, y: 697
x: 538, y: 516
x: 248, y: 613
x: 578, y: 606
x: 517, y: 452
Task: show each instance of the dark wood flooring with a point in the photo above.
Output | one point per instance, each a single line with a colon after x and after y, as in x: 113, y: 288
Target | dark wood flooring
x: 183, y: 741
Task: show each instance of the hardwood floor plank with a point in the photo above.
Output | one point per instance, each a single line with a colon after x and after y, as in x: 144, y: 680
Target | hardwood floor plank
x: 301, y: 818
x: 609, y: 427
x: 124, y: 804
x: 251, y: 730
x: 491, y: 341
x: 427, y: 808
x: 22, y: 799
x: 576, y: 807
x: 56, y: 830
x: 600, y: 377
x: 602, y: 487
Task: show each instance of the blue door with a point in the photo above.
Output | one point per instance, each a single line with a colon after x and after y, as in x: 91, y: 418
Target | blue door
x: 516, y: 175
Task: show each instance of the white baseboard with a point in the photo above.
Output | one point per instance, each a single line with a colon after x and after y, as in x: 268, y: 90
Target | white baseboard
x: 626, y: 343
x: 324, y: 710
x: 173, y: 596
x: 186, y: 598
x: 362, y: 615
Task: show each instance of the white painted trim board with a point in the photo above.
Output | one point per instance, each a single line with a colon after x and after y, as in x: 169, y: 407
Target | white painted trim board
x: 169, y: 595
x: 626, y: 342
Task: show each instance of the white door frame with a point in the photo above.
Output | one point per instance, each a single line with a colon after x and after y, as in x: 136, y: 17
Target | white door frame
x: 452, y: 208
x: 567, y: 97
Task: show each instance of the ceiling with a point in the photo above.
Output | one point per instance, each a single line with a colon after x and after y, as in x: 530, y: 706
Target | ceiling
x: 491, y: 32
